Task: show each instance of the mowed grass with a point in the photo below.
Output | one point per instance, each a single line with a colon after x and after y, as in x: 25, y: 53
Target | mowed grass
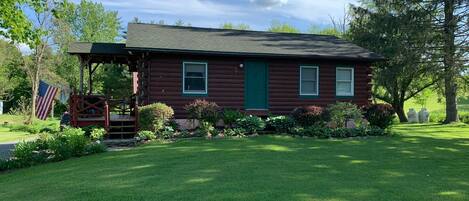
x: 7, y: 121
x: 420, y: 162
x: 10, y: 136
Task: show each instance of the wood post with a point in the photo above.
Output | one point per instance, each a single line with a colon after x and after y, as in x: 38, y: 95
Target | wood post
x: 82, y: 66
x: 90, y: 79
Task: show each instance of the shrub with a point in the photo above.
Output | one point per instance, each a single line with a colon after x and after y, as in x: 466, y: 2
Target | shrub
x: 205, y: 129
x: 340, y: 112
x: 94, y: 148
x: 24, y: 153
x: 166, y: 132
x: 230, y: 116
x: 89, y: 129
x: 381, y: 115
x: 146, y: 135
x: 464, y: 118
x: 281, y: 124
x: 307, y: 115
x: 375, y: 131
x: 203, y: 110
x: 437, y: 117
x: 251, y: 124
x: 97, y: 134
x: 234, y: 132
x: 153, y: 117
x: 319, y: 132
x: 74, y: 139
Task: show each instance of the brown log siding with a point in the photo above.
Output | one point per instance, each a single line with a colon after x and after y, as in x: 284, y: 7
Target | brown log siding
x: 226, y: 82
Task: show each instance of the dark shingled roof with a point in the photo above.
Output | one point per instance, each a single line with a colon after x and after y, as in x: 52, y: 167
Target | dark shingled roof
x: 236, y: 42
x: 98, y: 48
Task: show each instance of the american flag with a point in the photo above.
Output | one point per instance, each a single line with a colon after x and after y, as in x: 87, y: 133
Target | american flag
x: 44, y: 100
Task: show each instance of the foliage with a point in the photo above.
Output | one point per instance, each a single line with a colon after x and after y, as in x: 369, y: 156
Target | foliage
x: 89, y: 129
x: 324, y: 132
x: 146, y: 135
x: 422, y: 97
x: 203, y: 110
x: 340, y: 112
x: 153, y: 117
x: 75, y: 140
x: 94, y: 148
x: 166, y: 132
x: 97, y: 134
x: 281, y: 124
x: 381, y: 115
x: 205, y: 129
x: 230, y: 116
x: 251, y: 124
x: 464, y: 118
x: 390, y: 29
x: 234, y: 132
x: 282, y: 27
x: 229, y: 25
x: 307, y: 115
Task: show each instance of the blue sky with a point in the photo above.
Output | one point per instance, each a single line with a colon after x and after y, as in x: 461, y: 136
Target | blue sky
x: 259, y: 14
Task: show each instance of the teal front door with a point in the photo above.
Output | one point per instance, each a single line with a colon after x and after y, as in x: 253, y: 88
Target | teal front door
x: 255, y: 85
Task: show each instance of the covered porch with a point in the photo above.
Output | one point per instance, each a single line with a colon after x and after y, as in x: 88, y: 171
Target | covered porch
x: 119, y: 117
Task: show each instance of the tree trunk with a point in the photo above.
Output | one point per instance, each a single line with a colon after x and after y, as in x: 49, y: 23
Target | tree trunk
x: 399, y: 108
x: 449, y: 49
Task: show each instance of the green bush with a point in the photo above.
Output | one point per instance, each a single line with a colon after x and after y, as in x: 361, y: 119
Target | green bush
x: 315, y: 131
x: 205, y: 129
x: 307, y: 115
x: 75, y: 139
x: 375, y: 131
x: 94, y: 148
x: 153, y: 117
x: 165, y: 133
x: 230, y: 116
x: 25, y: 153
x: 89, y: 129
x: 97, y: 134
x: 281, y: 124
x: 146, y: 135
x: 381, y: 115
x: 464, y: 118
x: 251, y: 124
x: 203, y: 110
x: 234, y: 132
x: 340, y: 112
x: 437, y: 117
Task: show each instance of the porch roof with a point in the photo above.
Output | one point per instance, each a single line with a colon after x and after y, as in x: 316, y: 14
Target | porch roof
x: 98, y: 48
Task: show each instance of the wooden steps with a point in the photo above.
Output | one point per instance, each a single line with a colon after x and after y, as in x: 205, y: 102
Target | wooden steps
x: 122, y: 128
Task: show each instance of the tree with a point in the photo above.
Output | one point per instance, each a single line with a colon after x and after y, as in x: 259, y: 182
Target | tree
x: 282, y: 27
x: 399, y: 31
x: 325, y: 31
x: 85, y: 22
x: 34, y: 32
x: 451, y: 48
x: 229, y: 25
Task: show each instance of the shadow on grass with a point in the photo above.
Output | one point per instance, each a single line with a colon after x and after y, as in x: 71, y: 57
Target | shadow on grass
x: 261, y: 168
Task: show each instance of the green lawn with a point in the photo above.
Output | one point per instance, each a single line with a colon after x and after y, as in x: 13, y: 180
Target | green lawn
x: 422, y: 162
x: 9, y: 136
x: 6, y: 135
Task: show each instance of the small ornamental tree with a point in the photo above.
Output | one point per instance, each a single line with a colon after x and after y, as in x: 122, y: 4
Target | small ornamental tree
x: 380, y: 115
x: 203, y: 110
x: 307, y: 115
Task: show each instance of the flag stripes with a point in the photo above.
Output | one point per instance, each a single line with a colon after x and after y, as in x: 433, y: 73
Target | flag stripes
x: 46, y: 95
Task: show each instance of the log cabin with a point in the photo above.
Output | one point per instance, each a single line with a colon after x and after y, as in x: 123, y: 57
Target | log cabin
x: 257, y: 72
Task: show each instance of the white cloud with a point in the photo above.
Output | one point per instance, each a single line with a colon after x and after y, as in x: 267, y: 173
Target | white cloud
x: 24, y: 49
x: 211, y: 13
x: 269, y: 3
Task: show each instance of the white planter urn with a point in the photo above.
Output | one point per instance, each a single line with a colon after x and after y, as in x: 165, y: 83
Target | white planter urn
x: 424, y: 115
x: 412, y: 116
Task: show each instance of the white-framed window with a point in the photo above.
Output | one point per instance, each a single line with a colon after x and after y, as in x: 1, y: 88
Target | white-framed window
x: 194, y: 78
x: 344, y: 81
x: 309, y: 80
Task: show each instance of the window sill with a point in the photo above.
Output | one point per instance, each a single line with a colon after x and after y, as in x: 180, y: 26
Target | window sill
x: 344, y: 96
x: 309, y: 96
x: 194, y: 95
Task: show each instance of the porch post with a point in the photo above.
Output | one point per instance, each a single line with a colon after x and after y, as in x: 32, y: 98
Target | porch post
x: 82, y: 66
x: 90, y: 79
